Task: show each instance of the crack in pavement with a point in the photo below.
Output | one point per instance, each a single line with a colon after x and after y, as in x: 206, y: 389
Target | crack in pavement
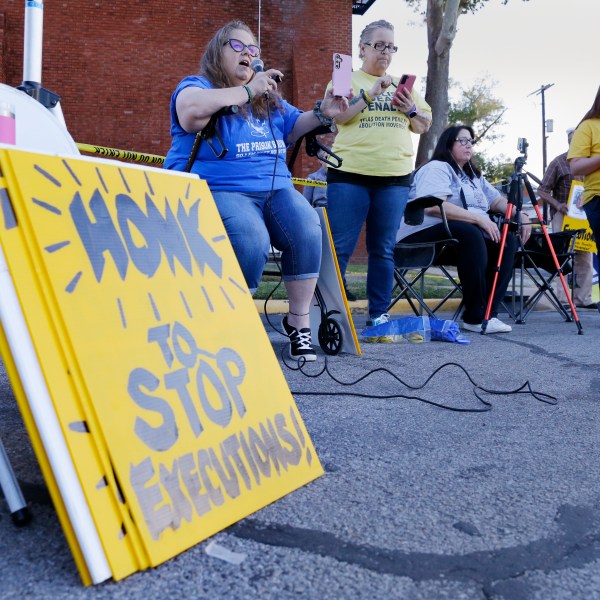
x: 561, y: 356
x: 577, y: 545
x: 497, y: 571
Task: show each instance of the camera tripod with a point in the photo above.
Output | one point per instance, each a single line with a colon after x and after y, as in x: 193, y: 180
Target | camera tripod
x: 515, y: 198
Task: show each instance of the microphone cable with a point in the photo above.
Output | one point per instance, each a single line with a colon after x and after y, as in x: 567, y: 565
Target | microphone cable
x: 526, y: 388
x: 257, y: 66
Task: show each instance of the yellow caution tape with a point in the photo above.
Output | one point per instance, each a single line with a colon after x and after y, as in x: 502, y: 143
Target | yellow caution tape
x: 311, y: 182
x: 149, y: 159
x: 155, y: 159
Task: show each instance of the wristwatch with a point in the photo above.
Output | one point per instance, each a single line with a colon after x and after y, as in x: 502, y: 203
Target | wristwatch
x: 412, y: 113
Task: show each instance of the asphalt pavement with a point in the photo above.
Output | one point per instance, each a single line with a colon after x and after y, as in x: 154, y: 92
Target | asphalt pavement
x: 421, y: 498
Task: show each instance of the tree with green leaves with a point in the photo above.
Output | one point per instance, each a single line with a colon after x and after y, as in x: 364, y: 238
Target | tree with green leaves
x: 478, y: 107
x: 442, y: 18
x: 496, y: 170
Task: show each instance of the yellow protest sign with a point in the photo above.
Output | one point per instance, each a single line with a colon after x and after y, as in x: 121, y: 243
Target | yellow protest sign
x: 172, y: 401
x: 27, y: 283
x: 577, y: 219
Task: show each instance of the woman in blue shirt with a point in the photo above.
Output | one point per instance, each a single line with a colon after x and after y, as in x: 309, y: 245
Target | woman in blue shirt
x: 251, y: 184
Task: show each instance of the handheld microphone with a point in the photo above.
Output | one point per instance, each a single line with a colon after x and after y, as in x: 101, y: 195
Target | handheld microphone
x: 258, y: 66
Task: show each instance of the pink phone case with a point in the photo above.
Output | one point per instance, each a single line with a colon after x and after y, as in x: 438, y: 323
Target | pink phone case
x: 406, y: 82
x: 342, y: 75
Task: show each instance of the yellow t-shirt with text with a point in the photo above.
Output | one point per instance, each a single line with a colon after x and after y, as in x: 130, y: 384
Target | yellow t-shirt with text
x: 377, y: 141
x: 585, y: 144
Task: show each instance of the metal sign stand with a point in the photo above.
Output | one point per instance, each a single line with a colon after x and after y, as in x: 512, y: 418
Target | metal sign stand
x: 32, y: 60
x: 12, y: 492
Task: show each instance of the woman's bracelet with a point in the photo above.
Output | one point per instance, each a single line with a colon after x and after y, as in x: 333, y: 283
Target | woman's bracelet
x: 325, y: 121
x: 368, y: 100
x: 249, y: 92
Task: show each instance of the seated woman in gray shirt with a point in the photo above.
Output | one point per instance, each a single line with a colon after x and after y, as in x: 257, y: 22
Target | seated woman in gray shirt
x: 451, y: 176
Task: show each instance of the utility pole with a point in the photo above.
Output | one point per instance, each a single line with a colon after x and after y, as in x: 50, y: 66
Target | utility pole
x: 541, y: 91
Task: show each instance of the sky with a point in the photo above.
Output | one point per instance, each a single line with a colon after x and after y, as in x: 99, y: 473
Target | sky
x: 522, y: 46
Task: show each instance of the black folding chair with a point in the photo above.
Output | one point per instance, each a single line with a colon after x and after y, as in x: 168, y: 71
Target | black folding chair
x: 534, y: 263
x: 413, y: 260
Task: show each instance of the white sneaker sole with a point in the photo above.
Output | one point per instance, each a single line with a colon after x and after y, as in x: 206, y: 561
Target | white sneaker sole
x: 306, y: 357
x: 490, y: 329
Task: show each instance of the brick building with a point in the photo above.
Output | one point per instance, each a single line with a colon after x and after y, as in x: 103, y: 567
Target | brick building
x: 115, y: 64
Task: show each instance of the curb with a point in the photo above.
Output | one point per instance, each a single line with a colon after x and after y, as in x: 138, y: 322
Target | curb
x: 275, y: 307
x: 280, y: 307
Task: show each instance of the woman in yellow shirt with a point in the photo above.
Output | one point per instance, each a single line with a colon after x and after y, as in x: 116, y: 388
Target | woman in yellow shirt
x: 374, y: 142
x: 584, y: 159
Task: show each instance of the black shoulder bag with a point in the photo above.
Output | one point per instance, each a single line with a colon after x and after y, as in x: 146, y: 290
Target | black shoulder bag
x: 209, y: 132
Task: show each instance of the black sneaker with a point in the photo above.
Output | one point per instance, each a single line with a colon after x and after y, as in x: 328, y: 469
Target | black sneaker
x: 300, y: 342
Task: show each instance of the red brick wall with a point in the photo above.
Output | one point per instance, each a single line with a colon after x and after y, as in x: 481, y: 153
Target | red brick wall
x: 115, y: 64
x: 3, y: 38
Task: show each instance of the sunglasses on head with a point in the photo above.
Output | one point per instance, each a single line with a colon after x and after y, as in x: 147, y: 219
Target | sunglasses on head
x: 239, y: 46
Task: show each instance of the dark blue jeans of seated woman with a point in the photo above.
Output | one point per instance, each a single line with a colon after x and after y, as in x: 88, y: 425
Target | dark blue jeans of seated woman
x: 477, y: 259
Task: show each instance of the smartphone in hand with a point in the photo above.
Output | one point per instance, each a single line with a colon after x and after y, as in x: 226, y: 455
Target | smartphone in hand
x: 406, y: 82
x: 342, y: 75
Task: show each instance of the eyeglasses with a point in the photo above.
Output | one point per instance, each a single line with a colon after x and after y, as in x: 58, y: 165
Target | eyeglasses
x: 463, y: 141
x: 381, y: 46
x: 238, y: 46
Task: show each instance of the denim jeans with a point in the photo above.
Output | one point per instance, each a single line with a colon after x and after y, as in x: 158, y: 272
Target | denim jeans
x: 284, y: 219
x: 592, y: 212
x: 349, y: 205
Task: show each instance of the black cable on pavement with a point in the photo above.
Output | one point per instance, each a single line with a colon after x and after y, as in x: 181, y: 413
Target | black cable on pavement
x: 487, y: 406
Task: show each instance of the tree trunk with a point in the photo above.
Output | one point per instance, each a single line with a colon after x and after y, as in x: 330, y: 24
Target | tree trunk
x: 441, y: 29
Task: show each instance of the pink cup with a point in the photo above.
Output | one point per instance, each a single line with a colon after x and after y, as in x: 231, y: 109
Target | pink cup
x: 8, y: 130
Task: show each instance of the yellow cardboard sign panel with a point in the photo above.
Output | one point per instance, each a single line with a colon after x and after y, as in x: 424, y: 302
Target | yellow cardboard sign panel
x: 172, y: 365
x: 577, y: 219
x: 13, y: 244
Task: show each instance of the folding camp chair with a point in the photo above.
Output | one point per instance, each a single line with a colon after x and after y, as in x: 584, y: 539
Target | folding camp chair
x: 413, y: 260
x: 535, y: 263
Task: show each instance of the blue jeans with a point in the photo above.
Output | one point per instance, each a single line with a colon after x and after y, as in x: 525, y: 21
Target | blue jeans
x: 285, y: 219
x: 349, y: 205
x: 592, y: 212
